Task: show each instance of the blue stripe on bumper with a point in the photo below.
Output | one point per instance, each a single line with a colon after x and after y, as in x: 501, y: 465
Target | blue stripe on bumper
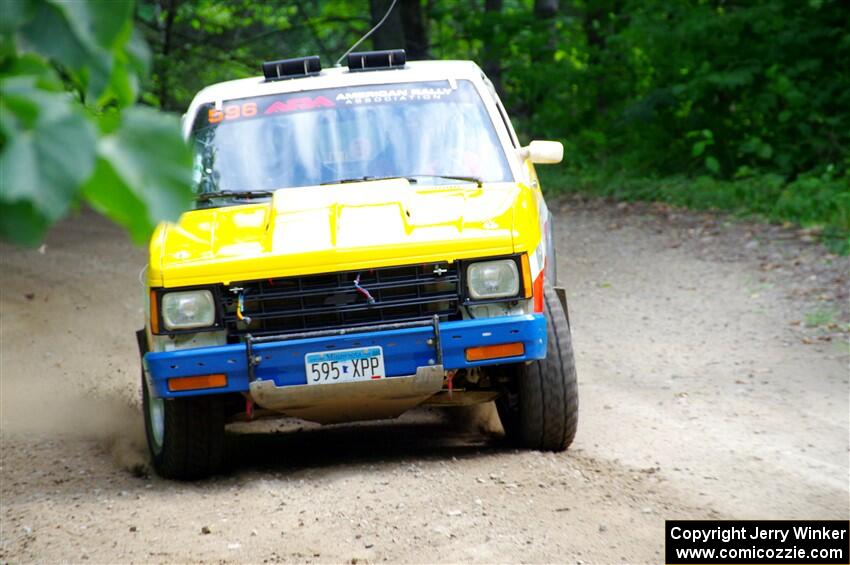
x: 404, y: 351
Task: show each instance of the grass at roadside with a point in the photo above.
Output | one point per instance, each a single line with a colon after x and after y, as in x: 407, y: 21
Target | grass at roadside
x: 819, y: 204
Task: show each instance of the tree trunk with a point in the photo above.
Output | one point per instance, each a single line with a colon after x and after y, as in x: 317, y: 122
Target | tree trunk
x: 164, y: 78
x: 545, y: 11
x: 391, y: 34
x: 593, y: 23
x: 545, y: 8
x: 415, y: 29
x: 492, y: 61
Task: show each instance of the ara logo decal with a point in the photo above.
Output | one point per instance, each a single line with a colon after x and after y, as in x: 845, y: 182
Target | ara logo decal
x: 295, y: 104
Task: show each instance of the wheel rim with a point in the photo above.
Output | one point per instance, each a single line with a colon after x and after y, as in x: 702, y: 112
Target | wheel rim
x: 156, y: 415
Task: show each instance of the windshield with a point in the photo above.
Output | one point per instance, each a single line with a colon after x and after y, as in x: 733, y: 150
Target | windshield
x: 413, y: 130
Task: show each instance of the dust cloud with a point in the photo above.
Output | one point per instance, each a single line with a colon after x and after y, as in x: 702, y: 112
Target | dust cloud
x: 51, y: 408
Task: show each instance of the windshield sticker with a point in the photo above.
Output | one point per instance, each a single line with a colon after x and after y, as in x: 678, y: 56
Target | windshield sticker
x: 232, y: 112
x: 332, y: 98
x: 392, y: 95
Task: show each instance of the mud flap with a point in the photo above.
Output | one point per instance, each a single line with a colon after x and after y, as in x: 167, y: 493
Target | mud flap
x: 142, y: 342
x: 562, y: 298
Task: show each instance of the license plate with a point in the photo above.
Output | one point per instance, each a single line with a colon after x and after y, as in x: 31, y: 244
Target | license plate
x: 345, y: 365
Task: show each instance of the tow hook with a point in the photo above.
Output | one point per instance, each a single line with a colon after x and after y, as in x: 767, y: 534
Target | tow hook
x: 450, y: 375
x: 249, y: 407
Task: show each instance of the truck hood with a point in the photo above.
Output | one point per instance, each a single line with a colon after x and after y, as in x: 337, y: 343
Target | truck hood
x: 338, y: 228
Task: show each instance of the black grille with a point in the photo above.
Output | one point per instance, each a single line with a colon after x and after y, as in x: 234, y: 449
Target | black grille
x: 331, y: 301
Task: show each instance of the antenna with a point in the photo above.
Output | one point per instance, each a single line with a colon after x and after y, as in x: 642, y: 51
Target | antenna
x: 368, y: 33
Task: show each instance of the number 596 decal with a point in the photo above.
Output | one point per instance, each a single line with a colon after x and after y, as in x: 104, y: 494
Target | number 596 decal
x: 232, y: 112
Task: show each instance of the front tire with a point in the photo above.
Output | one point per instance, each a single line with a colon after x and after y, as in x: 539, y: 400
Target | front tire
x: 540, y: 409
x: 185, y: 435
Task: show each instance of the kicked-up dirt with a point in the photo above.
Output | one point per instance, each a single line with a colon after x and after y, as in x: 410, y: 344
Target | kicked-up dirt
x: 713, y: 365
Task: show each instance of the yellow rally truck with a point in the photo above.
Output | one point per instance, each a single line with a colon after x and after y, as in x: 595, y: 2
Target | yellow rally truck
x: 365, y: 239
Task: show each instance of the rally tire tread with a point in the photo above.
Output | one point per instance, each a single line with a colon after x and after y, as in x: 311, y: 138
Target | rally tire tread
x: 531, y: 403
x: 566, y: 399
x: 196, y: 427
x: 546, y: 414
x: 194, y: 442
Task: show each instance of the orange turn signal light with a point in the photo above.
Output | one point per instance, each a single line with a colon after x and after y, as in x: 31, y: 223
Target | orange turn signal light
x: 495, y: 351
x: 526, y: 275
x: 154, y: 313
x: 197, y: 383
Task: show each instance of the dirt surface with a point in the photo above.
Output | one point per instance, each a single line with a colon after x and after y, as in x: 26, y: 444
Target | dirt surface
x: 713, y: 365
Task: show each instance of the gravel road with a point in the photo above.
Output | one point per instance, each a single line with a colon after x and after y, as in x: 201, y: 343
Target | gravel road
x: 713, y: 365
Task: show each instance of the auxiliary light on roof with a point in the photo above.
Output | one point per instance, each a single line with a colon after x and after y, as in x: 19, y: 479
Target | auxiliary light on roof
x: 374, y: 60
x: 292, y: 68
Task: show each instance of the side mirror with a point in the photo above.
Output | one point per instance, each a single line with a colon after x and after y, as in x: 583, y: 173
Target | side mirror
x: 543, y: 152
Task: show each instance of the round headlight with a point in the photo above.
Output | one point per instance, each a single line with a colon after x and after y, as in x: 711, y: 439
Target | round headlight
x: 188, y: 309
x: 493, y: 279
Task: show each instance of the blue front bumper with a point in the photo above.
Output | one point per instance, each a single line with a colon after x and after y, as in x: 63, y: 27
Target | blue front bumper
x: 404, y: 350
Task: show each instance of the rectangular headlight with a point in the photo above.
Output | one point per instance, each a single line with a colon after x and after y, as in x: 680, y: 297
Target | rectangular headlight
x: 493, y: 279
x: 188, y: 309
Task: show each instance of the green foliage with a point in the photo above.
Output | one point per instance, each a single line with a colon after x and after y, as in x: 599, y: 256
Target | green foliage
x: 736, y: 105
x: 69, y: 75
x: 820, y: 317
x: 740, y: 106
x: 198, y: 43
x: 821, y: 204
x: 690, y: 87
x: 656, y: 87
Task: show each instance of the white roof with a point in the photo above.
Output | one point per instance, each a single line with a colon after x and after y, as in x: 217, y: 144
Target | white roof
x: 336, y: 77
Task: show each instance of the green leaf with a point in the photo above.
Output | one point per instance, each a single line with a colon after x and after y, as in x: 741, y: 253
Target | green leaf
x: 130, y: 62
x: 21, y: 223
x: 101, y: 23
x: 698, y: 148
x: 50, y: 34
x: 138, y: 53
x: 109, y: 194
x: 50, y: 150
x: 143, y: 173
x: 712, y: 164
x: 15, y: 13
x: 80, y: 36
x: 123, y: 85
x: 44, y: 166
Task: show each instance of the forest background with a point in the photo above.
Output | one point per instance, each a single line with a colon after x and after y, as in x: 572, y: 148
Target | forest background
x: 738, y: 105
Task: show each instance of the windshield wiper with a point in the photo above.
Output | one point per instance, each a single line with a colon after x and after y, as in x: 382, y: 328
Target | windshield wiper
x: 206, y: 196
x: 410, y: 178
x: 464, y: 178
x: 365, y: 179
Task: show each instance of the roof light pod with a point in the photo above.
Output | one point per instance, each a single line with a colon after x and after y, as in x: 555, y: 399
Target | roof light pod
x: 373, y: 60
x: 292, y: 68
